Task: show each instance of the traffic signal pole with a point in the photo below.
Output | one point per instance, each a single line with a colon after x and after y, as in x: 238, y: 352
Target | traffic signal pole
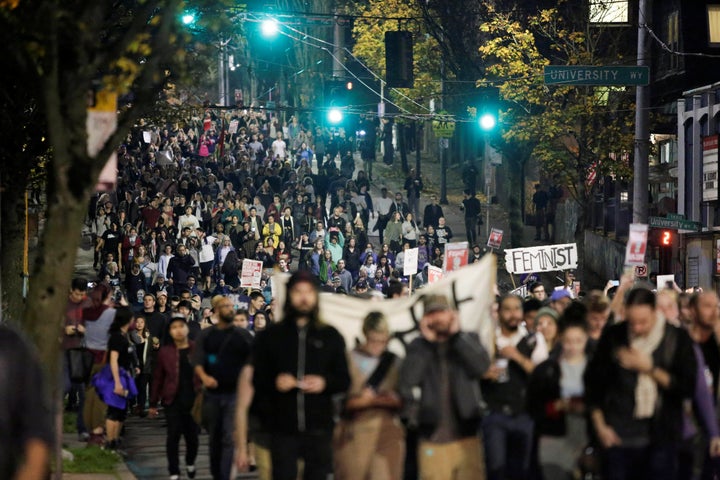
x: 642, y: 127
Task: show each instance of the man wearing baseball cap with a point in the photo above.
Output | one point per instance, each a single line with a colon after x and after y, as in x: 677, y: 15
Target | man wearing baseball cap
x: 446, y: 366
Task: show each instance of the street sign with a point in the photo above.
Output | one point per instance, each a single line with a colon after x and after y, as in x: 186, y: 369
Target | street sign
x: 443, y: 128
x: 641, y: 271
x: 674, y: 223
x: 596, y: 75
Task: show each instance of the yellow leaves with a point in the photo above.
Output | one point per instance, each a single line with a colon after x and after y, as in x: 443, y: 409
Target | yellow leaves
x: 9, y: 4
x: 140, y: 45
x: 124, y: 72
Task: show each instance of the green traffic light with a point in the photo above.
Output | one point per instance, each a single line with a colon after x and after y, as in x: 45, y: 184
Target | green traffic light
x: 335, y: 116
x: 269, y: 27
x: 487, y: 121
x: 188, y: 18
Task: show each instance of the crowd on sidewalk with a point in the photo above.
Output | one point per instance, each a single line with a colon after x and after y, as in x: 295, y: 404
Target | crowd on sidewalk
x: 615, y: 383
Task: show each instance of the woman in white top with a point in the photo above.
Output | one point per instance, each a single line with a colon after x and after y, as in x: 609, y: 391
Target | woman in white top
x: 410, y: 230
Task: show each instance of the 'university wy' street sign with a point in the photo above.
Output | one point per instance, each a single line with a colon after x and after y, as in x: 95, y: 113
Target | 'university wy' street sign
x: 596, y: 75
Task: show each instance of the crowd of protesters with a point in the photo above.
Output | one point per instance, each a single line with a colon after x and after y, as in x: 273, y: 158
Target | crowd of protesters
x: 619, y: 386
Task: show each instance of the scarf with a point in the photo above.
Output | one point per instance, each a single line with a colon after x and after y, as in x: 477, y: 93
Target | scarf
x: 646, y: 391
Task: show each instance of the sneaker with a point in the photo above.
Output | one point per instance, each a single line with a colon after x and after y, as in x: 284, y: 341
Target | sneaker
x: 84, y: 436
x: 174, y: 477
x: 114, y: 446
x: 191, y: 471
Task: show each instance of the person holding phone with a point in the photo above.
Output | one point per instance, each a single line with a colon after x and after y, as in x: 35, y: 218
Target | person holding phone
x: 369, y: 437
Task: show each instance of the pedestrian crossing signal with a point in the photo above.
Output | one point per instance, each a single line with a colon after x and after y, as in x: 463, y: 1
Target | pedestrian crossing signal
x: 666, y: 238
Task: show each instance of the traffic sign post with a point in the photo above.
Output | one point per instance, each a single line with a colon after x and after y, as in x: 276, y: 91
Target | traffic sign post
x: 596, y: 75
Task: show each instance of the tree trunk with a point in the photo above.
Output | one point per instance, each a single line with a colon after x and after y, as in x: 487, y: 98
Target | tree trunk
x: 52, y: 275
x: 13, y: 304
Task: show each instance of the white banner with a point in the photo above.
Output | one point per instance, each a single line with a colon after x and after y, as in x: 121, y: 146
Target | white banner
x: 546, y: 258
x: 471, y: 288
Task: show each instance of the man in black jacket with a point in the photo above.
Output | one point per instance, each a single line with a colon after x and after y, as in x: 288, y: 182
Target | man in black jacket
x: 440, y: 387
x: 179, y: 268
x: 300, y: 364
x: 471, y: 206
x: 635, y: 385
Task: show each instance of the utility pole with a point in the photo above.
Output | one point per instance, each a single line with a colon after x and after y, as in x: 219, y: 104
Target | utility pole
x: 338, y: 47
x: 441, y: 141
x: 221, y: 73
x: 642, y: 120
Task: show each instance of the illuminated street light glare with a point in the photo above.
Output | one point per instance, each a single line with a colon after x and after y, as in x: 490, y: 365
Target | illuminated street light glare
x: 335, y: 115
x: 269, y: 27
x: 487, y: 122
x: 188, y: 18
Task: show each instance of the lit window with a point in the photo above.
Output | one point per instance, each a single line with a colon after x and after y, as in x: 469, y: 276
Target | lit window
x: 608, y: 11
x: 624, y: 197
x: 714, y: 24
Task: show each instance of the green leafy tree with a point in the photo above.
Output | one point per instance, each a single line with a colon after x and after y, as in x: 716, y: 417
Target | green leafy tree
x: 569, y: 130
x: 59, y: 55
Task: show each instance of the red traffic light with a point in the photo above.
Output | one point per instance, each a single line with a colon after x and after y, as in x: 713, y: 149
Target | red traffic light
x: 666, y: 238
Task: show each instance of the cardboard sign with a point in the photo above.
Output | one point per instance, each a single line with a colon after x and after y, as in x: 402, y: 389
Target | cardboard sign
x: 435, y: 274
x: 495, y: 238
x: 521, y: 291
x: 251, y: 273
x: 456, y: 256
x: 411, y: 261
x: 662, y: 281
x: 637, y: 244
x: 233, y: 127
x: 546, y: 258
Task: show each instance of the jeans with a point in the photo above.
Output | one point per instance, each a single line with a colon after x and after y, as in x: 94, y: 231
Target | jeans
x: 654, y: 462
x: 471, y: 224
x: 219, y: 420
x: 142, y: 381
x: 74, y: 390
x: 180, y: 424
x: 508, y: 443
x: 315, y: 448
